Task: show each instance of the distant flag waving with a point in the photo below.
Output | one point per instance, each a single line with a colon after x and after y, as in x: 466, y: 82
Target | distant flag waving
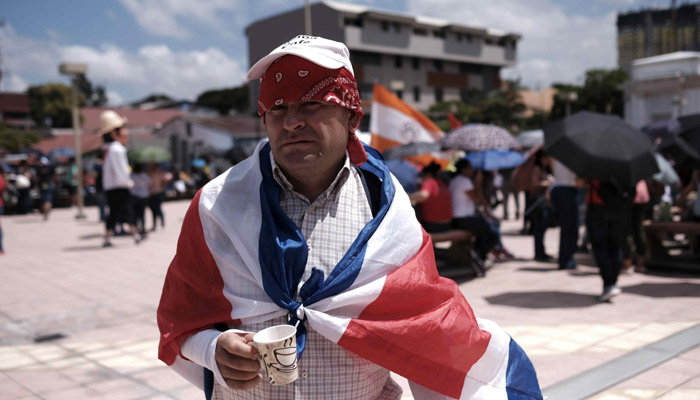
x: 395, y: 123
x: 384, y: 300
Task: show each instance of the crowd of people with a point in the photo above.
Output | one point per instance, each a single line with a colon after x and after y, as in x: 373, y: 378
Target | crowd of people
x: 613, y: 215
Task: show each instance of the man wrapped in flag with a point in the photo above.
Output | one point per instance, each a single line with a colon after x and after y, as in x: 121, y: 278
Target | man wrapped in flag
x: 312, y: 230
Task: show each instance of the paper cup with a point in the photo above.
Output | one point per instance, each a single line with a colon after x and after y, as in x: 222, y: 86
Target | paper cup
x: 277, y: 346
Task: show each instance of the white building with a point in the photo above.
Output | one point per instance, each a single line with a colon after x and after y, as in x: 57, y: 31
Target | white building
x: 663, y: 87
x: 420, y: 59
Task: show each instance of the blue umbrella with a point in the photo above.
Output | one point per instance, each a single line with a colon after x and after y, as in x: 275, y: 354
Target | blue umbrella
x: 199, y: 163
x: 405, y: 172
x: 490, y: 160
x: 62, y: 152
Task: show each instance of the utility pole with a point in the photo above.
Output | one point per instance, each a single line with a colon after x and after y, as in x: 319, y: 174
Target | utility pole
x: 307, y: 18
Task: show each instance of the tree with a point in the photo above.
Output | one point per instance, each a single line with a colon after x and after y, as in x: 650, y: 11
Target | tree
x: 94, y: 96
x: 224, y: 100
x: 499, y: 107
x: 13, y: 139
x: 600, y: 93
x: 51, y: 105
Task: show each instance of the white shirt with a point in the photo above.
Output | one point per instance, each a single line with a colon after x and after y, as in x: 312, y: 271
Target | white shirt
x: 462, y: 204
x: 563, y: 176
x: 115, y: 168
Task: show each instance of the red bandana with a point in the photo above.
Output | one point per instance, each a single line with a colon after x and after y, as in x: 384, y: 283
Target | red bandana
x: 297, y: 79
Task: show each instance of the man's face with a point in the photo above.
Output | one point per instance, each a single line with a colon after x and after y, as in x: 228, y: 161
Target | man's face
x: 121, y: 135
x: 308, y: 136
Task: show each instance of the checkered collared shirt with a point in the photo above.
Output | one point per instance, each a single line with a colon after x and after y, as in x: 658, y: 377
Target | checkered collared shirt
x: 329, y: 224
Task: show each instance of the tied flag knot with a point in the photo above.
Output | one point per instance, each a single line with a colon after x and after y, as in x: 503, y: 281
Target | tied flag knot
x: 296, y: 310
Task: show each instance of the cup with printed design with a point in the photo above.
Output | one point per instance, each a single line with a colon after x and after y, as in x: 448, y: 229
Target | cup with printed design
x: 277, y: 346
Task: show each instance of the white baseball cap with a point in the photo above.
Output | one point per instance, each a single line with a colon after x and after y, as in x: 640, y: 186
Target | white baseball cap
x: 324, y: 52
x: 110, y: 120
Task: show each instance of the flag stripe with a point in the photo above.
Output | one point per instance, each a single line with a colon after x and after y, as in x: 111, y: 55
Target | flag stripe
x: 409, y: 298
x: 192, y: 297
x: 395, y: 125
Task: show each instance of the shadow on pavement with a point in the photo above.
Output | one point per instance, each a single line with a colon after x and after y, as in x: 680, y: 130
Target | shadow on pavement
x: 91, y: 236
x: 82, y: 248
x: 532, y: 268
x: 659, y: 290
x: 546, y: 299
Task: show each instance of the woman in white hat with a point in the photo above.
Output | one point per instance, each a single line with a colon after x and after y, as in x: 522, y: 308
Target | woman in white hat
x: 116, y: 180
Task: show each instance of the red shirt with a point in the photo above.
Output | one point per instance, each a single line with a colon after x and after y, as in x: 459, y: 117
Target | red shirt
x: 438, y: 207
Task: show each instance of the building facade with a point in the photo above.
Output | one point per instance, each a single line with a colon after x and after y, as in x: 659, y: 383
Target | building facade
x: 422, y: 60
x: 663, y: 87
x: 653, y: 32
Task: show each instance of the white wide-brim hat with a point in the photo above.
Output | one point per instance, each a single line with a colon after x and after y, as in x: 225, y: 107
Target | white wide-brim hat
x: 110, y: 120
x: 324, y: 52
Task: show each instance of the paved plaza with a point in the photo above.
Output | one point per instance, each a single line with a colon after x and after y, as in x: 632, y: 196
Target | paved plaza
x: 78, y: 321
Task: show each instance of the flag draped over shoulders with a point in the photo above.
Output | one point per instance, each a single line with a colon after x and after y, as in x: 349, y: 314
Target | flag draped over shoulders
x: 240, y: 260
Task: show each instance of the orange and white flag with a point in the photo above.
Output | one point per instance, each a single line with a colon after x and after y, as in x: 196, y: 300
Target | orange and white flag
x: 394, y: 123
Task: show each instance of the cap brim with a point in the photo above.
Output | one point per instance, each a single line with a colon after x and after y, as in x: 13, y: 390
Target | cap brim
x: 258, y: 69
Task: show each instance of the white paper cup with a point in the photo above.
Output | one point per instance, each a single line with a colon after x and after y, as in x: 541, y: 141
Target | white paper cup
x: 277, y: 346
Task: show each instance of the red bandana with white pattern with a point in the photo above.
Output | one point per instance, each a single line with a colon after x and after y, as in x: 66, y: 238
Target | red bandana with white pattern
x: 290, y: 79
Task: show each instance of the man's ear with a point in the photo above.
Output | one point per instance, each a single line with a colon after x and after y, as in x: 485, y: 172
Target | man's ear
x: 353, y: 121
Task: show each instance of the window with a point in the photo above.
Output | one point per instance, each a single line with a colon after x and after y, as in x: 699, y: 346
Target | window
x: 365, y: 89
x: 439, y: 94
x: 385, y: 26
x: 416, y: 94
x: 439, y: 33
x: 349, y: 21
x: 459, y: 36
x: 397, y: 27
x: 416, y: 63
x: 468, y: 37
x: 420, y: 32
x: 399, y: 94
x: 437, y: 64
x: 398, y: 62
x: 366, y: 58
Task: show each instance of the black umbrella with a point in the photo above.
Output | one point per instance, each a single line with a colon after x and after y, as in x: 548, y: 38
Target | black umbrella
x: 662, y: 130
x: 603, y: 147
x: 680, y: 151
x: 411, y: 149
x: 479, y: 137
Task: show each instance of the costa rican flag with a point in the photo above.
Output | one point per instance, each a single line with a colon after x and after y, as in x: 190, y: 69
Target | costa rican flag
x: 240, y: 259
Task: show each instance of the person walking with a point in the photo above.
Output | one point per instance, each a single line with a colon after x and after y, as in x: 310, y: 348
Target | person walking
x: 313, y: 231
x: 115, y: 176
x: 46, y: 181
x: 159, y: 179
x: 607, y: 221
x: 540, y: 210
x: 139, y: 196
x: 564, y: 196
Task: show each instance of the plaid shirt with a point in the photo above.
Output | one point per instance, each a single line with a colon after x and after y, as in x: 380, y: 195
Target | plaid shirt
x: 329, y: 224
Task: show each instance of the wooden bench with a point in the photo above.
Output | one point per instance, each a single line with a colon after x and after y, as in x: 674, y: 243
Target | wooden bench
x: 459, y: 255
x: 659, y: 254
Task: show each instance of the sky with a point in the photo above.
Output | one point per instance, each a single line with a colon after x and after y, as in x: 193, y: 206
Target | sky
x: 183, y: 47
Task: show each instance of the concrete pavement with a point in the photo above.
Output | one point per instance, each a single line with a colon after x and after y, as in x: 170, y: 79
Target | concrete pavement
x: 78, y: 321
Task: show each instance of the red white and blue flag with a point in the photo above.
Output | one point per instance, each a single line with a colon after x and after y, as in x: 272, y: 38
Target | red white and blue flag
x: 240, y: 260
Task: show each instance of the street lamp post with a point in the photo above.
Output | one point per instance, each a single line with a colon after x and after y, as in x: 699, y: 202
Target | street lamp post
x: 73, y: 70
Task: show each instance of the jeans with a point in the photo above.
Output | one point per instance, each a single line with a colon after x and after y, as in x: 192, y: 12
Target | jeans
x: 487, y: 236
x: 607, y: 230
x: 540, y: 222
x: 565, y: 201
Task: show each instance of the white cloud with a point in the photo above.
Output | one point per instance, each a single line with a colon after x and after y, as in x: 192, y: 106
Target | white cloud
x: 555, y: 47
x: 165, y: 17
x: 153, y: 68
x: 13, y: 83
x: 114, y: 99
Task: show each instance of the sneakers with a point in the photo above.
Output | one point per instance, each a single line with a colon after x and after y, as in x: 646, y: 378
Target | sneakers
x: 608, y: 293
x: 107, y: 243
x: 138, y: 238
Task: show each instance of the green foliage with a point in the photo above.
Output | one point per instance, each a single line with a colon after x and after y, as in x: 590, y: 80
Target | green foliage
x: 600, y: 93
x: 155, y: 97
x: 12, y: 139
x: 95, y: 96
x: 500, y: 107
x: 223, y: 100
x: 52, y: 102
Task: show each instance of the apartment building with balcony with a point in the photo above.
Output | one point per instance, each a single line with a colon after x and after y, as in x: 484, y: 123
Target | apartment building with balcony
x: 422, y: 60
